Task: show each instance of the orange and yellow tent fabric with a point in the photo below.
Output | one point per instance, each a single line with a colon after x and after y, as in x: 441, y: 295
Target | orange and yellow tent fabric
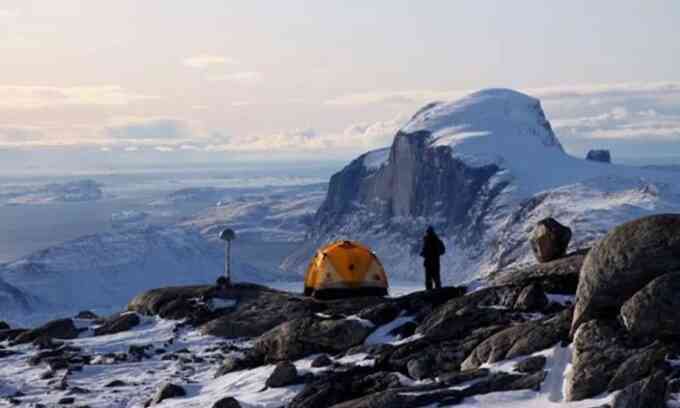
x: 343, y: 269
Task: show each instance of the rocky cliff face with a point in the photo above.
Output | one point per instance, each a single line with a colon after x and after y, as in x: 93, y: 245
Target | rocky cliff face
x: 482, y: 170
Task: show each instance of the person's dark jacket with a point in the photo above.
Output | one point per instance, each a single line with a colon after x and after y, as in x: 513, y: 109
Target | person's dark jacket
x: 433, y: 248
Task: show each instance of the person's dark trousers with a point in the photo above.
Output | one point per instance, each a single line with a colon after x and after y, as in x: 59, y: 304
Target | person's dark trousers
x: 432, y: 275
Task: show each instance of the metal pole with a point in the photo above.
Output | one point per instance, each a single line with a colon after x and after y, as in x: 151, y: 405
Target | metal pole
x: 228, y: 262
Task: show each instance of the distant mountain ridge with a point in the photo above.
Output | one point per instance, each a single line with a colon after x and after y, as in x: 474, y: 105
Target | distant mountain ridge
x: 483, y: 170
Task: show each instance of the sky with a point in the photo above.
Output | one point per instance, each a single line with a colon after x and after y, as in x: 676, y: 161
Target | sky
x: 130, y: 81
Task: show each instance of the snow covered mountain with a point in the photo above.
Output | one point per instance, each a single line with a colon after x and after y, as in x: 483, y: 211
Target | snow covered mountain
x: 483, y: 170
x: 74, y: 191
x: 103, y: 271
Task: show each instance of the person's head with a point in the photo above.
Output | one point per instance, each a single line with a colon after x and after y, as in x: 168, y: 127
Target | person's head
x: 430, y: 230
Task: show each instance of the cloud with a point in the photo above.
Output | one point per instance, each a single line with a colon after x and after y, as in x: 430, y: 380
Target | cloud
x: 582, y: 116
x: 355, y: 138
x: 606, y: 90
x: 245, y: 77
x: 561, y: 92
x: 148, y: 129
x: 8, y: 13
x: 206, y: 60
x: 622, y: 124
x: 18, y: 134
x: 238, y: 104
x: 393, y: 97
x: 33, y: 97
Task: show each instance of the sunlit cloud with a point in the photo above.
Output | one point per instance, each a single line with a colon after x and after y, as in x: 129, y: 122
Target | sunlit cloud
x: 626, y: 89
x: 18, y: 133
x: 206, y: 60
x: 147, y: 129
x: 8, y: 13
x: 245, y: 77
x: 238, y: 104
x: 32, y: 97
x: 582, y: 116
x: 393, y: 97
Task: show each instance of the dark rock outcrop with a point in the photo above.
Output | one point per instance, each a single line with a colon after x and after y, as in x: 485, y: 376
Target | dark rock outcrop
x: 531, y: 364
x: 151, y: 302
x: 381, y: 314
x: 118, y: 323
x: 640, y: 365
x: 321, y: 361
x: 606, y: 359
x: 57, y: 329
x: 628, y: 258
x: 653, y: 310
x: 647, y: 393
x: 11, y: 334
x: 240, y: 361
x: 549, y: 240
x: 284, y: 374
x: 335, y: 387
x: 519, y: 340
x: 168, y: 390
x: 559, y: 276
x: 599, y: 155
x: 227, y: 402
x: 257, y: 313
x: 460, y: 315
x: 86, y: 315
x: 531, y: 299
x: 302, y: 337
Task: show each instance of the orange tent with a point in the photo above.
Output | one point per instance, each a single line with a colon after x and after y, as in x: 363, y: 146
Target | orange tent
x: 344, y: 269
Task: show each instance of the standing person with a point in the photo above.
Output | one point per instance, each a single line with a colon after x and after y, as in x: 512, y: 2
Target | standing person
x: 433, y: 248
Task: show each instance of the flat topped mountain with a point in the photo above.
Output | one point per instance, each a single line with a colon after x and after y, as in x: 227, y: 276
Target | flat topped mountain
x: 483, y: 170
x: 499, y: 122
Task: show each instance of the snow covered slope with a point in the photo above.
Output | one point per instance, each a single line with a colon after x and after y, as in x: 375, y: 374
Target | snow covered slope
x: 104, y: 271
x: 74, y: 191
x: 482, y: 170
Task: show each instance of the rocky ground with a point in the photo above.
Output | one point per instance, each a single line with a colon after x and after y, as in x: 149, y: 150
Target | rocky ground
x: 590, y: 329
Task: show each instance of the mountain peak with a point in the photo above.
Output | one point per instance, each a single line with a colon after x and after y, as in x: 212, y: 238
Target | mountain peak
x: 489, y: 126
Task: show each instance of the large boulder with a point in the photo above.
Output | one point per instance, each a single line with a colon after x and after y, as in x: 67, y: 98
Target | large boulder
x: 559, y: 276
x: 428, y: 356
x: 653, y: 310
x: 604, y: 360
x: 519, y: 340
x: 531, y: 299
x: 255, y: 315
x: 168, y: 390
x: 118, y: 323
x: 334, y: 387
x: 642, y: 364
x: 625, y: 260
x: 302, y: 337
x: 549, y: 240
x: 151, y: 302
x: 227, y: 402
x: 57, y: 329
x: 458, y: 316
x: 597, y: 355
x: 284, y: 374
x: 647, y: 393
